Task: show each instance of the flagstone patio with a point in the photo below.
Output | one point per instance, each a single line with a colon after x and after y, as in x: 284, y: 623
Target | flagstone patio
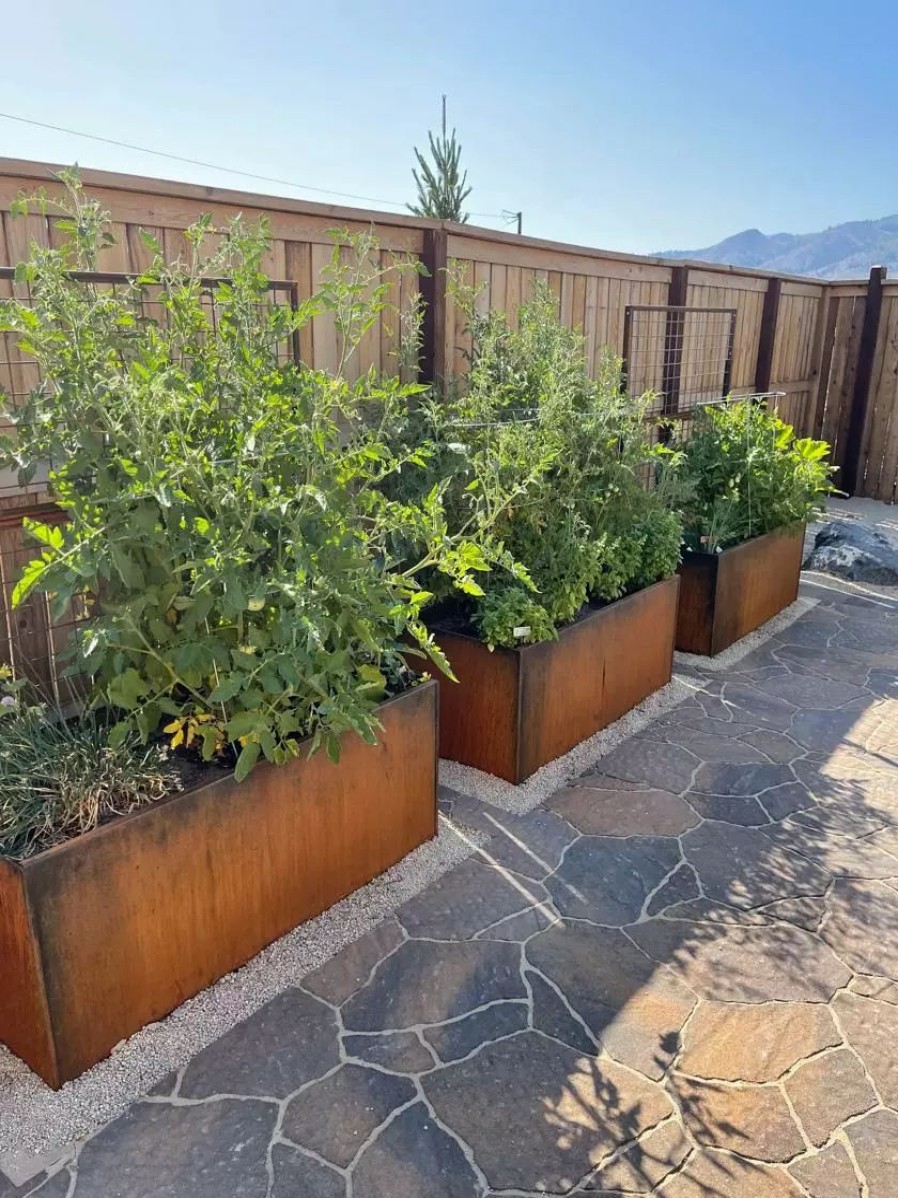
x: 677, y: 977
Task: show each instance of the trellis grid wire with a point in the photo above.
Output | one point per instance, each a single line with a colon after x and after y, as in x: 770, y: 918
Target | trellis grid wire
x: 682, y: 355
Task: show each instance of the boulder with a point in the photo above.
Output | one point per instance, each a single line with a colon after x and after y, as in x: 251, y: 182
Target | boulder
x: 853, y: 550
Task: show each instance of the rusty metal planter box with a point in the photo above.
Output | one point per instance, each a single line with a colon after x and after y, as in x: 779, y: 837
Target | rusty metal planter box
x: 724, y: 596
x: 514, y: 710
x: 112, y: 930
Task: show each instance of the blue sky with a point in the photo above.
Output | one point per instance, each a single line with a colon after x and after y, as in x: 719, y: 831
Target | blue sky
x: 632, y: 125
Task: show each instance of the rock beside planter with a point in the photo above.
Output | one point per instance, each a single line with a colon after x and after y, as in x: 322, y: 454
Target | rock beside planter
x: 856, y: 552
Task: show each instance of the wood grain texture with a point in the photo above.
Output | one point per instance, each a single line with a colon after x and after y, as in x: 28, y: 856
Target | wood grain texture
x: 301, y: 243
x: 514, y: 710
x: 725, y: 596
x: 130, y: 920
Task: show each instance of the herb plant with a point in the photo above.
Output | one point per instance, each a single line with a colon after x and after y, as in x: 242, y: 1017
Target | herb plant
x: 527, y: 416
x: 229, y: 513
x: 744, y: 473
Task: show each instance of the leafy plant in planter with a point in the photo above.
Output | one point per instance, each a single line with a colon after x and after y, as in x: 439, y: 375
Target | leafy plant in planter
x: 745, y: 473
x: 59, y: 777
x: 528, y: 416
x: 228, y: 514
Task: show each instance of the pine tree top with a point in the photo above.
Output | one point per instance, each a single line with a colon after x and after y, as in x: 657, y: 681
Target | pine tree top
x: 442, y: 186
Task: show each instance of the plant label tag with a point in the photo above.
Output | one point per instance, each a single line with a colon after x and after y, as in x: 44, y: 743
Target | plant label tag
x: 522, y: 630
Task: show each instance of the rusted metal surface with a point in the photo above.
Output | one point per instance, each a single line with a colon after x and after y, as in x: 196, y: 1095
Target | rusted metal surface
x: 24, y: 1023
x: 128, y: 921
x: 724, y: 596
x: 514, y: 710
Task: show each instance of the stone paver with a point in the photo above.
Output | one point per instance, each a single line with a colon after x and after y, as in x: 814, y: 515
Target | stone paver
x: 294, y: 1172
x: 336, y: 1116
x: 754, y: 1043
x: 827, y: 1091
x: 241, y: 1062
x: 875, y: 1143
x: 753, y: 1121
x: 677, y: 977
x: 871, y: 1029
x: 559, y: 1112
x: 645, y: 1164
x: 828, y: 1174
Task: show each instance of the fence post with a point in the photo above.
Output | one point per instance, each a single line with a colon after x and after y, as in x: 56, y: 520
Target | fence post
x: 674, y: 328
x: 767, y: 335
x: 434, y: 258
x: 852, y: 471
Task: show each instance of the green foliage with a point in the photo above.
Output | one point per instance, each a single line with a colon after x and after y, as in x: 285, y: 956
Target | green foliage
x: 745, y: 473
x: 230, y: 515
x: 509, y: 614
x: 560, y: 460
x: 441, y: 185
x: 60, y: 777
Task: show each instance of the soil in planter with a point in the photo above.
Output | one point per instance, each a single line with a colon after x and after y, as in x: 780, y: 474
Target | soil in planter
x: 452, y: 615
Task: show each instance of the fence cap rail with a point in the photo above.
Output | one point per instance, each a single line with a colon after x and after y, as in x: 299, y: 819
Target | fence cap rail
x: 42, y: 173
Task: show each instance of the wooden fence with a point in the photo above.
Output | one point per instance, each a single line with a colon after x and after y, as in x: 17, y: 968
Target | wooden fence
x: 830, y: 348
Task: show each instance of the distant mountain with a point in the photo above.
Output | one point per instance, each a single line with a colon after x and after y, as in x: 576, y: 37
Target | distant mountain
x: 842, y: 252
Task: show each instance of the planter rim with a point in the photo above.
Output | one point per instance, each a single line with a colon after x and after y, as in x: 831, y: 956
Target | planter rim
x: 705, y: 555
x: 583, y: 618
x: 225, y: 777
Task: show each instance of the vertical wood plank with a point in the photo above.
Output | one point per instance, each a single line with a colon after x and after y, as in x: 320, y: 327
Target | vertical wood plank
x: 513, y: 294
x: 852, y: 471
x: 298, y: 266
x: 578, y: 309
x: 591, y: 301
x: 434, y: 329
x: 767, y: 335
x: 324, y: 328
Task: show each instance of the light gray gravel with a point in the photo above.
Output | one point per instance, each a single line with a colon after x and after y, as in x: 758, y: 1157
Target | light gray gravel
x: 34, y: 1118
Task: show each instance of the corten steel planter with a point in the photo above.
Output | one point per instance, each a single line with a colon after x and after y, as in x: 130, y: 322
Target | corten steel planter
x: 112, y: 930
x: 514, y: 710
x: 724, y: 596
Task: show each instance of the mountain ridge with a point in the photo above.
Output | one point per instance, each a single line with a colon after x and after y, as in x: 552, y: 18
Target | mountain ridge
x: 845, y: 251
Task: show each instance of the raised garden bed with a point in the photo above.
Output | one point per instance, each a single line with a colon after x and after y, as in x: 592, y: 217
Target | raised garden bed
x: 114, y: 929
x: 724, y: 596
x: 514, y: 710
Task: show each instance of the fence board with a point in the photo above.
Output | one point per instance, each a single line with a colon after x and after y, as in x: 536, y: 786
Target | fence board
x: 881, y: 434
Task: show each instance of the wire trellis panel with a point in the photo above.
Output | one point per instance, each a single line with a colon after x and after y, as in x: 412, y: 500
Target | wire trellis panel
x: 683, y: 355
x: 20, y: 374
x: 33, y: 638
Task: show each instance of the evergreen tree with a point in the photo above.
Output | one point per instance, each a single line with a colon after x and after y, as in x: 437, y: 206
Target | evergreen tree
x: 441, y: 193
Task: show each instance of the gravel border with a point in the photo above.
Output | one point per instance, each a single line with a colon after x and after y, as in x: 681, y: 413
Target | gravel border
x: 728, y: 658
x: 35, y: 1119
